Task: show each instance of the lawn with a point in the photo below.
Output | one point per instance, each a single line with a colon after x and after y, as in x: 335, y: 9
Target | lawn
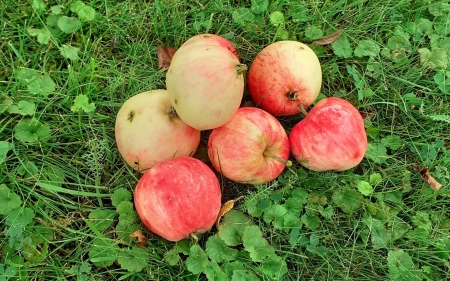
x: 66, y: 208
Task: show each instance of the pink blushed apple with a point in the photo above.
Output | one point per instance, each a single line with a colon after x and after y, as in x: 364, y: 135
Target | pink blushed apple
x: 178, y: 198
x: 209, y: 39
x: 252, y: 147
x: 330, y: 137
x: 283, y: 76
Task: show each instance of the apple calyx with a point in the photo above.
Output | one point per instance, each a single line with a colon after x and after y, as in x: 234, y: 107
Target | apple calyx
x: 288, y: 163
x: 302, y: 109
x: 241, y: 68
x: 292, y: 95
x: 171, y: 112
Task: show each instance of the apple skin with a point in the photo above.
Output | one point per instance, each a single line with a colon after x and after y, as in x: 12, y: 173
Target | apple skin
x: 330, y: 137
x: 284, y: 75
x: 147, y: 132
x: 242, y: 148
x: 206, y: 85
x: 177, y: 198
x: 209, y: 39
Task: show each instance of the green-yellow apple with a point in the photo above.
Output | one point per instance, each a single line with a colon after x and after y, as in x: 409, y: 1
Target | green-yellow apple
x: 149, y: 131
x: 206, y: 85
x: 252, y: 147
x: 284, y: 75
x: 330, y: 137
x: 178, y: 198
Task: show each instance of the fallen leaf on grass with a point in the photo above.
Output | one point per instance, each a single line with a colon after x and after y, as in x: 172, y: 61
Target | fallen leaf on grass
x: 329, y: 39
x: 225, y: 209
x: 165, y: 55
x: 140, y: 238
x: 427, y: 178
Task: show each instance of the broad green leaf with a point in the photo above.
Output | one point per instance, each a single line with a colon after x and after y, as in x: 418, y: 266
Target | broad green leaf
x: 197, y: 260
x: 276, y: 18
x: 52, y: 175
x: 26, y: 75
x: 341, y: 47
x: 69, y: 52
x: 376, y: 152
x: 290, y: 221
x: 81, y: 102
x: 172, y: 257
x: 57, y: 9
x: 311, y: 222
x: 401, y: 267
x: 439, y: 9
x: 134, y: 259
x: 23, y: 108
x: 365, y: 93
x: 41, y: 85
x: 328, y: 212
x: 232, y: 227
x: 396, y: 229
x: 300, y: 194
x: 102, y: 253
x: 367, y: 48
x: 43, y: 34
x: 312, y: 32
x: 259, y: 6
x: 35, y: 249
x: 124, y: 229
x: 435, y: 59
x: 38, y: 5
x: 281, y: 33
x: 119, y: 195
x: 442, y: 25
x: 20, y: 217
x: 252, y: 207
x: 442, y: 79
x: 274, y: 267
x: 230, y: 267
x: 375, y: 178
x: 275, y: 213
x: 218, y: 251
x: 298, y: 12
x: 243, y: 275
x: 364, y: 187
x: 393, y: 142
x: 68, y: 25
x: 242, y: 15
x: 102, y: 219
x: 422, y: 220
x: 214, y: 272
x: 256, y: 245
x: 424, y: 27
x: 85, y: 13
x: 294, y: 205
x: 399, y: 43
x: 443, y: 248
x: 294, y: 235
x: 378, y: 233
x: 348, y: 200
x: 28, y: 169
x: 31, y: 131
x: 5, y: 104
x: 5, y: 147
x: 8, y: 199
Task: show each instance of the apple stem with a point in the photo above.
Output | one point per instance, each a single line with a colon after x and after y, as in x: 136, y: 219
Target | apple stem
x: 288, y: 163
x: 171, y: 112
x: 193, y: 236
x: 302, y: 109
x: 241, y: 68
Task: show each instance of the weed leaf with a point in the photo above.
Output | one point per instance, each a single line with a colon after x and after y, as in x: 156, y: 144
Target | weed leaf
x: 367, y: 48
x: 256, y: 245
x: 401, y: 266
x: 8, y: 199
x: 218, y: 251
x: 197, y: 260
x: 5, y: 147
x: 23, y: 108
x: 233, y: 226
x: 68, y: 25
x: 119, y: 195
x: 214, y: 272
x: 31, y: 131
x: 329, y: 39
x: 347, y: 199
x: 81, y: 102
x: 259, y: 6
x: 276, y: 18
x: 134, y: 259
x: 226, y: 207
x: 69, y: 52
x: 341, y: 47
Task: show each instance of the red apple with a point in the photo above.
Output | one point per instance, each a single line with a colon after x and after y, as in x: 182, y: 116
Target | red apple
x: 283, y: 76
x: 252, y: 147
x: 330, y: 137
x: 178, y: 198
x: 209, y: 39
x: 148, y: 131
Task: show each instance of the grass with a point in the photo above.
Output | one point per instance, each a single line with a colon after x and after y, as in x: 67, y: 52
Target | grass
x: 62, y: 179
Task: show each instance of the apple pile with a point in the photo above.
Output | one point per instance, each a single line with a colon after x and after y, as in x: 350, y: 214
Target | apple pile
x: 157, y: 132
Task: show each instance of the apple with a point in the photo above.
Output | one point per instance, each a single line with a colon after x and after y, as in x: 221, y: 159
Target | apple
x: 206, y: 85
x: 252, y: 147
x: 209, y: 39
x: 285, y: 76
x: 330, y: 137
x: 178, y: 198
x: 148, y: 131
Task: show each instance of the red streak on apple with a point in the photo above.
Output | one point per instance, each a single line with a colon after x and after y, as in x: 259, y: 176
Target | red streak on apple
x: 245, y: 148
x: 178, y: 197
x: 209, y: 39
x: 330, y: 137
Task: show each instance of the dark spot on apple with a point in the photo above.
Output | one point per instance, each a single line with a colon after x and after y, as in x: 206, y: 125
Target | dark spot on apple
x: 130, y: 116
x: 136, y: 163
x: 301, y: 48
x: 175, y: 101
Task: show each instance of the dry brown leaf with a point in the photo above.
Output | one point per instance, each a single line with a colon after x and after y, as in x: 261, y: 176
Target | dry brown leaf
x: 140, y: 238
x: 427, y: 178
x: 327, y: 40
x: 165, y: 55
x: 226, y: 207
